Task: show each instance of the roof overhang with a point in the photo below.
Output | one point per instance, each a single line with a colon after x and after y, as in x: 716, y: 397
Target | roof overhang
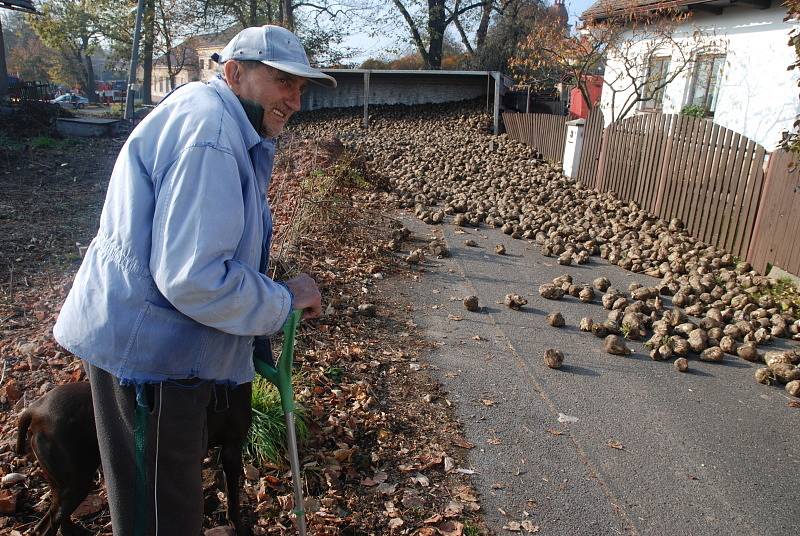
x: 18, y: 5
x: 604, y: 10
x: 411, y: 72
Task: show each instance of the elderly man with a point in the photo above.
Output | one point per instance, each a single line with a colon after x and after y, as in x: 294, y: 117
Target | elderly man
x: 172, y: 291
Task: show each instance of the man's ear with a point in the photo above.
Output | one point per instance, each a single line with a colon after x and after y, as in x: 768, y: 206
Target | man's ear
x: 232, y: 73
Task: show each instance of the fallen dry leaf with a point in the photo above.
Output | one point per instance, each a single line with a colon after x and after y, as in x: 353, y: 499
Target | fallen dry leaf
x: 513, y: 526
x: 453, y: 509
x: 451, y: 528
x: 529, y: 527
x: 487, y: 402
x: 494, y: 441
x: 435, y: 518
x: 379, y: 478
x: 386, y: 489
x: 455, y: 318
x: 421, y: 479
x: 555, y: 432
x: 463, y: 443
x: 614, y: 444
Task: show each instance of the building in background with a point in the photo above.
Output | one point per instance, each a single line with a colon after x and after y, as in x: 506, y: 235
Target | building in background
x: 740, y: 79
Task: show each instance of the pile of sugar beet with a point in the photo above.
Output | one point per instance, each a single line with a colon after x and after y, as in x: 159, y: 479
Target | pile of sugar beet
x: 442, y: 161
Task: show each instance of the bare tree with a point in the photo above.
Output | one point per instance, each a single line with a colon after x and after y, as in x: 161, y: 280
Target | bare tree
x: 641, y: 55
x: 428, y: 23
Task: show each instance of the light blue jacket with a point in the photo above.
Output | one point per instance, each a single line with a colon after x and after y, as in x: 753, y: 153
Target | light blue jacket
x: 172, y: 286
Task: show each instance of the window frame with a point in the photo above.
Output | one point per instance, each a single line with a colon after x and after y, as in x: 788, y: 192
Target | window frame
x: 656, y: 104
x: 713, y: 80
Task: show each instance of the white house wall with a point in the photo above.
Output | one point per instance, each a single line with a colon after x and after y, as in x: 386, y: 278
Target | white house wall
x: 757, y: 96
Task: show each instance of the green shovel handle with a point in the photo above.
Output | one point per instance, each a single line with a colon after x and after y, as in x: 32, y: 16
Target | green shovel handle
x: 281, y: 374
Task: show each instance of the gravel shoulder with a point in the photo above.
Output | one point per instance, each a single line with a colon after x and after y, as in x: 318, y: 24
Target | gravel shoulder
x: 652, y: 451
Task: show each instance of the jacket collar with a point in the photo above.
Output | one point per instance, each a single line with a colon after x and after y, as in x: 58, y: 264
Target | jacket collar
x: 235, y: 108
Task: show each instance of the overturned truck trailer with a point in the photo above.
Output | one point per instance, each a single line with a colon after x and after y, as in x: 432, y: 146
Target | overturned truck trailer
x: 362, y: 87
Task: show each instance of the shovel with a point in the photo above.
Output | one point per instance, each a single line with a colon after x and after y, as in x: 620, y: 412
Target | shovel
x: 280, y: 376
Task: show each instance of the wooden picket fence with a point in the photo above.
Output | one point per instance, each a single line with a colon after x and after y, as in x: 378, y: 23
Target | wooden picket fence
x: 590, y: 153
x: 713, y: 179
x: 544, y: 132
x: 688, y: 168
x: 777, y: 228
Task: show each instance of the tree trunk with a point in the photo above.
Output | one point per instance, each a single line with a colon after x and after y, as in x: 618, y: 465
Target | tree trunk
x: 414, y: 30
x: 253, y: 13
x: 460, y: 28
x: 270, y: 16
x: 483, y: 27
x: 436, y: 28
x: 287, y: 10
x: 3, y: 73
x: 91, y: 92
x: 147, y: 51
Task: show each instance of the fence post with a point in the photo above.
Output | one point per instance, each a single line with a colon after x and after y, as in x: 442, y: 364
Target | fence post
x: 757, y: 238
x: 601, y: 160
x: 662, y: 174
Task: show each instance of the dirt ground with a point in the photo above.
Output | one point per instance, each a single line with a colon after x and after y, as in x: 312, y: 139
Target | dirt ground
x: 385, y: 452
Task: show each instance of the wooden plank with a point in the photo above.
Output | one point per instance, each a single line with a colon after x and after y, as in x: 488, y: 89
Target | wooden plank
x: 638, y: 182
x: 664, y: 161
x: 699, y: 179
x: 651, y: 164
x: 686, y: 172
x: 760, y: 241
x: 679, y: 157
x: 781, y: 231
x: 675, y: 186
x: 755, y: 180
x: 709, y: 169
x: 718, y: 172
x: 601, y: 161
x: 728, y: 191
x: 623, y: 156
x: 587, y: 171
x: 611, y: 160
x: 793, y: 177
x: 771, y: 210
x: 737, y: 192
x: 725, y: 171
x: 685, y: 160
x: 644, y: 179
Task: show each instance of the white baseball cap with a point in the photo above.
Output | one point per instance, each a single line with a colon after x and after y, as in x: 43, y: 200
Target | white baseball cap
x: 276, y: 47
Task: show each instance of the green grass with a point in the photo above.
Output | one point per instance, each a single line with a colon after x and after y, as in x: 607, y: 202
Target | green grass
x: 9, y: 143
x: 786, y: 295
x: 266, y: 442
x: 471, y: 530
x: 334, y: 374
x: 43, y: 142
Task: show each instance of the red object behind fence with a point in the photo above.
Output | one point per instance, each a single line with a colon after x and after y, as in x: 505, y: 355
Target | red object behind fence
x: 577, y: 104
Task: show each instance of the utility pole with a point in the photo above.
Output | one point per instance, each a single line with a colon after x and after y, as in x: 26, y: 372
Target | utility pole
x: 134, y: 61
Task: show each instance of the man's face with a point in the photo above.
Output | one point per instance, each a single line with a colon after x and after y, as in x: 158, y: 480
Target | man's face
x: 276, y: 91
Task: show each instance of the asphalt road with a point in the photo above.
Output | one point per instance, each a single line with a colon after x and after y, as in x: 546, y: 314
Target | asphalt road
x: 709, y: 452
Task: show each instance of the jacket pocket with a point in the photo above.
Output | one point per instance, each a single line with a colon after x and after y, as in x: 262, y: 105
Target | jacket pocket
x: 166, y: 343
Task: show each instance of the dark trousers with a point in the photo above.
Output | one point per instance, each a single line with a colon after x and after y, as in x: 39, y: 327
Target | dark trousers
x: 154, y: 487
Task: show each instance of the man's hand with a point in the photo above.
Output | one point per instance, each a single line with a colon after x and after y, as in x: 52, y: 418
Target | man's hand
x: 306, y: 295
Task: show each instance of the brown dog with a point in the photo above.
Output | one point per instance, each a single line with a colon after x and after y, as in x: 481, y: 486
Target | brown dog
x: 64, y: 439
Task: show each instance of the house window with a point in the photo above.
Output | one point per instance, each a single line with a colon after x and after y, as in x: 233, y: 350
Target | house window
x: 705, y: 81
x: 201, y: 64
x: 654, y: 84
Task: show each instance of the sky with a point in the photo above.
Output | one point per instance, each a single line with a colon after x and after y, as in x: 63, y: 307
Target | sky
x: 394, y: 36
